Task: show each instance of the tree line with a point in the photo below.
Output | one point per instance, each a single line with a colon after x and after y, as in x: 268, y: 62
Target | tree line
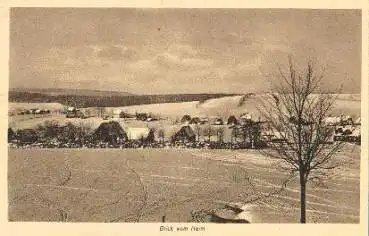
x: 110, y: 101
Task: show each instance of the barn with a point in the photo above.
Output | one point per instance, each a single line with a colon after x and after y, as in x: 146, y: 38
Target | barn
x: 110, y: 132
x: 185, y: 134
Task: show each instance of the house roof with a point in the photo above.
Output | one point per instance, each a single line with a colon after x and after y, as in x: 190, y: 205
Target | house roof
x: 110, y: 128
x: 246, y: 116
x: 332, y: 120
x: 274, y: 133
x: 185, y: 131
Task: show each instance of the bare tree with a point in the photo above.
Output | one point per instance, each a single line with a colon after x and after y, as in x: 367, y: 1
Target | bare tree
x: 101, y: 111
x: 208, y: 132
x: 234, y: 134
x: 295, y: 111
x: 220, y: 134
x: 197, y: 131
x: 161, y: 135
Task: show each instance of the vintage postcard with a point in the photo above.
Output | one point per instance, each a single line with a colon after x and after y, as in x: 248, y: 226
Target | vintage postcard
x: 192, y: 119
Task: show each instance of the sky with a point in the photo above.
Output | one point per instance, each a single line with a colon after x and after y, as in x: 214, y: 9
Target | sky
x: 161, y: 51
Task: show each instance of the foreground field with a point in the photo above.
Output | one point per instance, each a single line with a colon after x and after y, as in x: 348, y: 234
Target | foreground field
x: 108, y: 185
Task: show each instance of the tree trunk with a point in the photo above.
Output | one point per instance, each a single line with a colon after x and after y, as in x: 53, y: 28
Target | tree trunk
x: 302, y: 200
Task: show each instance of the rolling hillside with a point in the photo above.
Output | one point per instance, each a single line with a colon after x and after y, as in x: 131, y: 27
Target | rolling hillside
x: 62, y: 91
x: 226, y: 106
x: 219, y: 107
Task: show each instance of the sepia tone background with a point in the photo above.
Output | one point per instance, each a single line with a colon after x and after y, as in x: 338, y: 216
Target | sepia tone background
x: 153, y: 229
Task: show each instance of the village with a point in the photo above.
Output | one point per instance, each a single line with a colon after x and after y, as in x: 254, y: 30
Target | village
x: 197, y: 115
x: 241, y: 132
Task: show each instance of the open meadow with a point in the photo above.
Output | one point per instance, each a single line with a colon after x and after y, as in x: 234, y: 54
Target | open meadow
x: 109, y: 185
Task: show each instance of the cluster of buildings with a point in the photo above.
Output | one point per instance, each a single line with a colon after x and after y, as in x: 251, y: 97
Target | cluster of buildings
x: 34, y: 111
x: 191, y: 132
x: 347, y: 129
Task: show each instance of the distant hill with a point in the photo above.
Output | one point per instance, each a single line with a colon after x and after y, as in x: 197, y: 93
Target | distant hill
x: 62, y: 91
x: 91, y: 98
x: 346, y: 104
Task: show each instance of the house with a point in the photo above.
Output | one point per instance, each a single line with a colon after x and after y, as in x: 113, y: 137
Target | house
x: 67, y: 132
x: 232, y: 120
x: 70, y: 109
x: 226, y: 214
x: 71, y: 112
x: 118, y: 113
x: 141, y: 134
x: 141, y: 116
x: 45, y: 111
x: 204, y: 120
x: 347, y: 133
x: 195, y: 121
x: 151, y: 117
x: 185, y: 134
x: 344, y: 120
x: 302, y: 121
x: 344, y: 129
x: 273, y: 136
x: 110, y: 132
x: 218, y: 121
x: 332, y: 120
x: 354, y: 136
x: 186, y: 119
x: 33, y: 110
x: 244, y: 118
x: 11, y: 134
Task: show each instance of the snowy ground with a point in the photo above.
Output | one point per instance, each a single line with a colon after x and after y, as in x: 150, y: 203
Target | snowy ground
x: 104, y: 185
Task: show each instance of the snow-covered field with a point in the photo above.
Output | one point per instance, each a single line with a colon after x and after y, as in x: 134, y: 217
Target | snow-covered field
x: 106, y: 185
x: 112, y: 184
x: 347, y: 104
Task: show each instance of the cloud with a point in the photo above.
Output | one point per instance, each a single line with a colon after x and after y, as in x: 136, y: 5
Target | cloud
x: 181, y: 57
x: 171, y: 61
x: 182, y: 50
x: 234, y: 38
x: 117, y: 52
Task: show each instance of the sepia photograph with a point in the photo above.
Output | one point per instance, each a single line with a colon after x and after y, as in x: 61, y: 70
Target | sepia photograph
x: 192, y: 115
